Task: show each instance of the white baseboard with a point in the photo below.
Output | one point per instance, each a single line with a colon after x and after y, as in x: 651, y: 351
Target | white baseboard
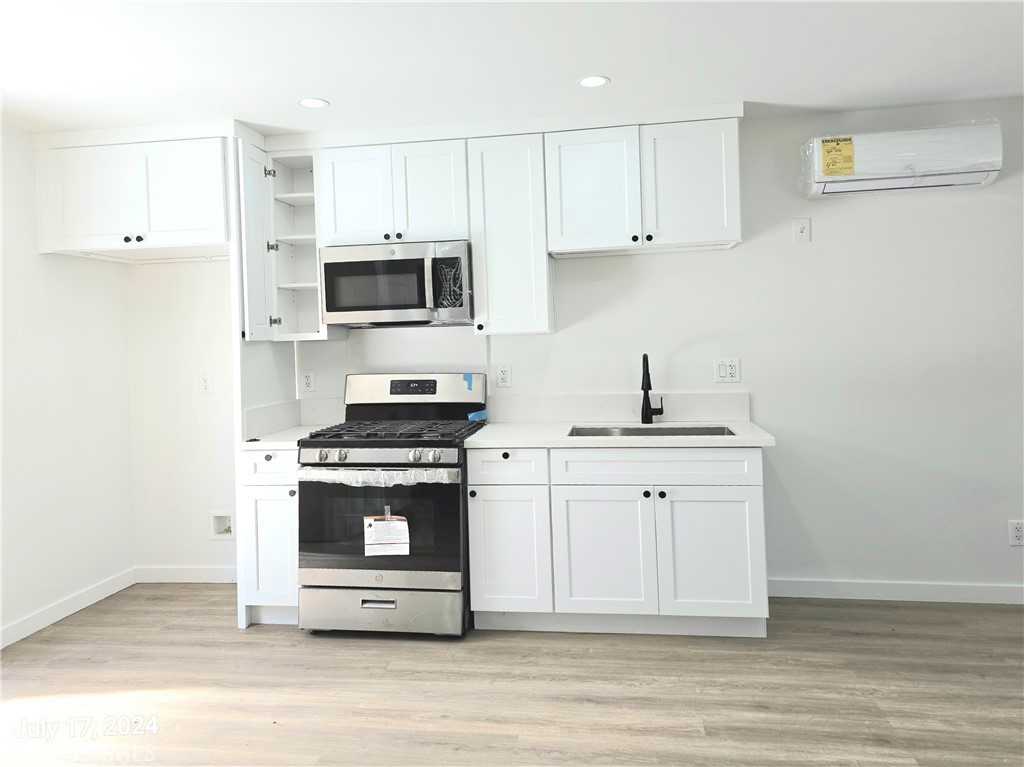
x: 30, y: 624
x: 900, y: 591
x: 185, y: 575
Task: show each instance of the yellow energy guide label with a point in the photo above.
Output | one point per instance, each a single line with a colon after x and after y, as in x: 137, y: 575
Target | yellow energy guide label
x: 837, y: 156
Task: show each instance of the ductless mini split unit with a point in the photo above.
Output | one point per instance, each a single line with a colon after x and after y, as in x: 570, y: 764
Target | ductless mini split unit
x: 968, y: 155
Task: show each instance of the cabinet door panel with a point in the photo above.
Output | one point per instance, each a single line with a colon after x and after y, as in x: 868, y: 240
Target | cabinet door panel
x: 510, y: 548
x: 691, y: 182
x: 429, y: 180
x: 511, y: 269
x: 603, y: 550
x: 353, y: 192
x: 711, y: 553
x: 86, y: 198
x: 257, y: 265
x: 593, y: 189
x: 181, y: 193
x: 269, y: 542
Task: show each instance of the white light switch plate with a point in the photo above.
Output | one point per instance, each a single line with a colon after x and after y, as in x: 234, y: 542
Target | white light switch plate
x: 727, y: 370
x: 801, y: 230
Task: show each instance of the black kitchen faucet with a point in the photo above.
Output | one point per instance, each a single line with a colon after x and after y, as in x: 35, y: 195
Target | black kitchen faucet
x: 647, y: 412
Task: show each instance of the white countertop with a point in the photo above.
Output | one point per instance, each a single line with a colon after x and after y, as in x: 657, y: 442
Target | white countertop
x: 282, y: 440
x: 501, y: 435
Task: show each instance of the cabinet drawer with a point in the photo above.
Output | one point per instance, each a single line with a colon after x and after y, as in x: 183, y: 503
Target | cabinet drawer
x: 267, y: 467
x: 656, y: 466
x: 515, y: 466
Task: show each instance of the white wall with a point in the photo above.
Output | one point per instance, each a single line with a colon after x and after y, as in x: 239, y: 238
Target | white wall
x: 67, y: 523
x: 179, y: 327
x: 885, y: 356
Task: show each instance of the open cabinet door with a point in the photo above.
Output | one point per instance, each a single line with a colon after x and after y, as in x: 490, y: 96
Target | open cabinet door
x: 257, y: 263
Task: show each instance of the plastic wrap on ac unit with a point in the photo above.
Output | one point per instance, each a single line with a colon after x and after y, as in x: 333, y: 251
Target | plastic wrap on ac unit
x: 961, y: 154
x: 379, y: 477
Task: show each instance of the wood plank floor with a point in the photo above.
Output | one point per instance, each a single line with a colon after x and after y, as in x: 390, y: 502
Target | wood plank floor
x: 835, y: 683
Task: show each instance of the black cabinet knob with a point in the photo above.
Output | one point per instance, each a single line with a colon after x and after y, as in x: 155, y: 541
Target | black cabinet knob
x: 268, y: 457
x: 398, y: 236
x: 505, y: 456
x: 387, y: 236
x: 647, y: 493
x: 138, y: 238
x: 649, y: 237
x: 291, y: 493
x: 662, y: 494
x: 127, y: 238
x: 472, y: 493
x: 479, y: 327
x: 635, y: 238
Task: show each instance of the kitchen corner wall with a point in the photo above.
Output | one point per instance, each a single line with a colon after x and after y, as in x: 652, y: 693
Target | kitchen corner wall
x: 885, y: 356
x: 67, y: 522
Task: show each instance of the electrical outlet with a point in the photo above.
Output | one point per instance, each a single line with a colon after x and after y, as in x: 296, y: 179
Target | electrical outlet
x: 727, y: 370
x: 308, y: 380
x: 1016, y: 532
x: 505, y: 376
x: 205, y: 383
x: 801, y: 230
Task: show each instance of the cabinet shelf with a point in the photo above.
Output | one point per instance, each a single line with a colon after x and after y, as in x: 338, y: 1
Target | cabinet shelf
x: 296, y: 199
x: 298, y: 239
x: 298, y: 286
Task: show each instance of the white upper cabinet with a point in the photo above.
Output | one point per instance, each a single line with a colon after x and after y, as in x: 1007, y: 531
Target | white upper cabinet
x: 132, y: 197
x: 666, y: 186
x: 257, y: 265
x: 354, y: 196
x: 593, y: 189
x: 375, y: 194
x: 691, y: 193
x: 511, y: 268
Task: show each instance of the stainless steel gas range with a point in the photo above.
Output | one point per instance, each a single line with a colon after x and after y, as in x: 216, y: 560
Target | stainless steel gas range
x: 382, y: 507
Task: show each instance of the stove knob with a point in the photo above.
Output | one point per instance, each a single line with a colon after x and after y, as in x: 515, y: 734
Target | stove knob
x: 434, y: 456
x: 415, y: 456
x: 322, y: 455
x: 342, y: 455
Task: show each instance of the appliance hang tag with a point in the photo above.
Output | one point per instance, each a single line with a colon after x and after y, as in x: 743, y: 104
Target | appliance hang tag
x: 385, y: 536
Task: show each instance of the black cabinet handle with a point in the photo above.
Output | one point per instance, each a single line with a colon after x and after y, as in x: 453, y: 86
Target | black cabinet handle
x: 291, y: 493
x: 635, y: 238
x: 662, y: 494
x: 387, y: 236
x: 647, y: 493
x: 268, y: 457
x: 127, y: 238
x: 472, y: 493
x: 479, y: 327
x: 649, y: 237
x: 138, y: 238
x: 398, y: 236
x: 505, y: 456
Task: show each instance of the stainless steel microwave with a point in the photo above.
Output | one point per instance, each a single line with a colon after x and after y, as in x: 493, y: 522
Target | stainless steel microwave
x: 412, y: 283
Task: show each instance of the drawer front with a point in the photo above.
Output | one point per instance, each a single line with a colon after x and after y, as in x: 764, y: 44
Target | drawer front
x: 425, y: 612
x: 515, y: 466
x: 267, y: 467
x: 657, y: 466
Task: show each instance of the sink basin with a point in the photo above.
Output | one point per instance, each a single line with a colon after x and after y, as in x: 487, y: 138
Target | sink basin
x: 650, y: 431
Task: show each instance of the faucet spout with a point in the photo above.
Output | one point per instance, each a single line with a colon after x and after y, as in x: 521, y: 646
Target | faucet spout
x: 647, y: 412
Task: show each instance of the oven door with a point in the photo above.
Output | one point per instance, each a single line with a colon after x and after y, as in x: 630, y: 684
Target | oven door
x: 334, y: 505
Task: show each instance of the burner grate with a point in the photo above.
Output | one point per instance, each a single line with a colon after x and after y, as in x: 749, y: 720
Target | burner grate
x: 380, y: 430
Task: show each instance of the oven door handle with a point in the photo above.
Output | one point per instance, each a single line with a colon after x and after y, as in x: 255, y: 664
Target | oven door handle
x: 380, y: 477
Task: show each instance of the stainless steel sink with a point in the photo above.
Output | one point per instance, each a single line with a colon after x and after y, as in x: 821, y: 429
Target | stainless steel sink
x: 650, y: 431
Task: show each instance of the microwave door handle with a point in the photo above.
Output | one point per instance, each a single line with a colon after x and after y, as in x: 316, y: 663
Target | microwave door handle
x: 428, y: 282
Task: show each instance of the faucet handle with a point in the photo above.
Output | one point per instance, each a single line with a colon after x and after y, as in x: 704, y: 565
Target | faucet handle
x: 660, y: 410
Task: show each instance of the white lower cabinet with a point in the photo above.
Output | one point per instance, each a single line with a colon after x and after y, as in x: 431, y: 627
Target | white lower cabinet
x: 604, y: 550
x: 268, y: 530
x: 510, y: 548
x: 711, y: 551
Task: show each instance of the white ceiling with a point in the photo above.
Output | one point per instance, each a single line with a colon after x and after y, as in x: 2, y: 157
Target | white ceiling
x: 90, y: 65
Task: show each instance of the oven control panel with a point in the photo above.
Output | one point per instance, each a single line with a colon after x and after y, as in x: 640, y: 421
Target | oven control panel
x: 418, y: 386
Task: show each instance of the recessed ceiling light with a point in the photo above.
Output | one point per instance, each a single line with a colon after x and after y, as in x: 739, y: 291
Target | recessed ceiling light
x: 593, y: 81
x: 311, y: 103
